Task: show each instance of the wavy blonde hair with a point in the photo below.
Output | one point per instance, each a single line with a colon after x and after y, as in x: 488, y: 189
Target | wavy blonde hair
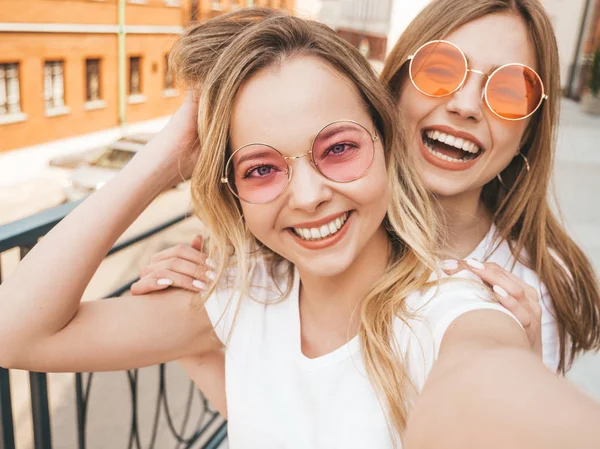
x: 521, y: 210
x: 217, y: 57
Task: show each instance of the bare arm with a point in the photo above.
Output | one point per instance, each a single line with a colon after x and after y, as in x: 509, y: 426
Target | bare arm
x: 43, y: 326
x: 487, y: 389
x: 207, y: 371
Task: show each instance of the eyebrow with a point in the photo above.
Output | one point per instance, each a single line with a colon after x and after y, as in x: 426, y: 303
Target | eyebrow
x: 262, y: 154
x: 337, y: 129
x: 323, y: 134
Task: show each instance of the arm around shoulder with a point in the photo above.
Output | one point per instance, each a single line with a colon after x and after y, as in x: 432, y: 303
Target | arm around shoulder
x: 488, y: 389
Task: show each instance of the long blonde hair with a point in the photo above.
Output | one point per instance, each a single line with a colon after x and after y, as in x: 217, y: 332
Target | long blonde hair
x: 521, y: 210
x: 218, y: 56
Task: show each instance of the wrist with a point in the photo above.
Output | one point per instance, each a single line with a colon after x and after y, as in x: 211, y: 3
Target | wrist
x: 159, y: 166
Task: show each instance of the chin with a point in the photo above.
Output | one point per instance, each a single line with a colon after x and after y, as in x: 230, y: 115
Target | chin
x: 442, y: 186
x: 325, y: 266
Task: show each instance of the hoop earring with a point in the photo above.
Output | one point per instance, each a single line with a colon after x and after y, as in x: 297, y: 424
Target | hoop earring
x: 527, y: 167
x: 500, y: 180
x: 526, y: 161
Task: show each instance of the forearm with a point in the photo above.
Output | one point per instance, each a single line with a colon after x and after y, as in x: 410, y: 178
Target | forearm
x: 501, y: 398
x: 44, y: 292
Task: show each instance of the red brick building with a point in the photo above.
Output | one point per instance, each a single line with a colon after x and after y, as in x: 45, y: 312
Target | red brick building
x: 71, y: 67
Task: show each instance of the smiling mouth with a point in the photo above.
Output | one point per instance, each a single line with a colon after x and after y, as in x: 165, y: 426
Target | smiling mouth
x: 450, y: 148
x: 322, y: 232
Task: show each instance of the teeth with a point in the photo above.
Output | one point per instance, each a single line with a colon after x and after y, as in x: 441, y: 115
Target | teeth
x: 457, y: 142
x: 444, y: 157
x: 323, y: 231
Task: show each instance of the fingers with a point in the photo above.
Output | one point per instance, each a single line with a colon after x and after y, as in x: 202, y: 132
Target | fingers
x: 162, y: 279
x: 181, y: 266
x: 149, y: 285
x: 194, y: 270
x: 518, y: 309
x: 184, y: 252
x: 513, y: 293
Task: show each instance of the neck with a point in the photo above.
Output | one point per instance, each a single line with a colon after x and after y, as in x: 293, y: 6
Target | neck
x: 332, y: 304
x: 466, y: 220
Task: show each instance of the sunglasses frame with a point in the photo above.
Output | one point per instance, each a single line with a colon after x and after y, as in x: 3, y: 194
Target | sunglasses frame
x: 485, y: 88
x: 225, y: 179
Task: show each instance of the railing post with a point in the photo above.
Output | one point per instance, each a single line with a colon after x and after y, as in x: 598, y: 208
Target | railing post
x: 7, y: 431
x: 40, y: 411
x: 7, y: 428
x: 81, y: 409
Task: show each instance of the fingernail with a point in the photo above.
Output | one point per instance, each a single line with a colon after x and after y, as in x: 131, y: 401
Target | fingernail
x: 211, y: 275
x: 475, y: 264
x: 211, y: 263
x: 500, y: 291
x: 449, y: 264
x: 164, y: 282
x: 199, y: 284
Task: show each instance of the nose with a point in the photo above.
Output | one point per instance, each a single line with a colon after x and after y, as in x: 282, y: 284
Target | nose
x: 467, y: 102
x: 307, y: 189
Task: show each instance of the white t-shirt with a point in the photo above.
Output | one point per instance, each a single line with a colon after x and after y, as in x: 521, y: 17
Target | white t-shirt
x: 489, y: 250
x: 278, y: 398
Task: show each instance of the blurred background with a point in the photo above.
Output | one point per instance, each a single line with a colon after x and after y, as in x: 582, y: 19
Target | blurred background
x: 84, y: 84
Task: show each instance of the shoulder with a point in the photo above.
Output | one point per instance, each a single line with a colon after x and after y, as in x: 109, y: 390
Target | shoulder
x: 240, y: 301
x: 433, y: 311
x: 450, y: 297
x: 502, y: 254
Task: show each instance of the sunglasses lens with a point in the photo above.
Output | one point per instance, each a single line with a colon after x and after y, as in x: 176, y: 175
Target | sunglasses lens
x: 514, y: 92
x: 438, y: 69
x: 343, y: 151
x: 257, y: 173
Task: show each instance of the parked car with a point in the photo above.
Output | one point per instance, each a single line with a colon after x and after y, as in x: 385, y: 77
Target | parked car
x: 92, y: 169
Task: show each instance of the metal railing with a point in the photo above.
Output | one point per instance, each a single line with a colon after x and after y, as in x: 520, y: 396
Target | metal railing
x: 210, y: 430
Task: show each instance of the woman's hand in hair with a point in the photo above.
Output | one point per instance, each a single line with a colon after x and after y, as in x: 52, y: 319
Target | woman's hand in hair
x: 176, y: 146
x: 514, y: 294
x: 182, y: 266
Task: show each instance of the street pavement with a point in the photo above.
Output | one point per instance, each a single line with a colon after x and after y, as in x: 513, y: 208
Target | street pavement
x: 577, y: 183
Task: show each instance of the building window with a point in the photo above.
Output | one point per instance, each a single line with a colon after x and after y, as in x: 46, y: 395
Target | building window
x: 194, y: 11
x: 135, y: 80
x: 92, y: 80
x: 54, y: 93
x: 10, y: 100
x: 216, y: 5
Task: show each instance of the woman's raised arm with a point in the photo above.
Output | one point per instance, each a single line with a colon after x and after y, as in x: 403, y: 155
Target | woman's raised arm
x: 43, y: 326
x: 488, y: 389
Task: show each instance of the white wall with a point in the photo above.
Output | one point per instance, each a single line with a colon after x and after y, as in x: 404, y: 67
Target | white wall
x: 403, y: 11
x: 371, y: 16
x: 566, y: 17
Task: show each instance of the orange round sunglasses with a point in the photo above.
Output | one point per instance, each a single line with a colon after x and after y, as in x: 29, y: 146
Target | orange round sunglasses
x: 512, y: 91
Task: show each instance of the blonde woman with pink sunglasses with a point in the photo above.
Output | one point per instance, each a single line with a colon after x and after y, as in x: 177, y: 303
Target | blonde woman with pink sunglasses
x: 477, y: 85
